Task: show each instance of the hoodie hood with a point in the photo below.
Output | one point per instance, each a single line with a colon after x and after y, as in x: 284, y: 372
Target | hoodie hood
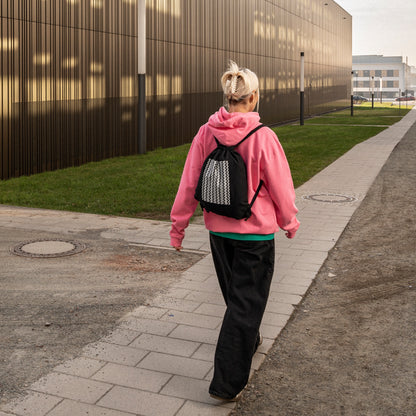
x: 230, y: 128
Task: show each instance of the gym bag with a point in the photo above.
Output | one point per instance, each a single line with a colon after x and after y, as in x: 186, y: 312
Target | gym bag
x: 222, y: 186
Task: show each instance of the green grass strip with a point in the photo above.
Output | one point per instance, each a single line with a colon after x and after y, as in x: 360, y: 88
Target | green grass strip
x: 145, y: 185
x: 309, y: 149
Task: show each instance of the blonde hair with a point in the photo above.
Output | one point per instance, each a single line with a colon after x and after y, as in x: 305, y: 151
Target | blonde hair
x: 238, y: 83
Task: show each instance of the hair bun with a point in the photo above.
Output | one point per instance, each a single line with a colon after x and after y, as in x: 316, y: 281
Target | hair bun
x: 238, y: 83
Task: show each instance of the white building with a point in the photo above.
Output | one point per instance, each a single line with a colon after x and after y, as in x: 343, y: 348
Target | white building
x: 412, y: 80
x: 388, y: 76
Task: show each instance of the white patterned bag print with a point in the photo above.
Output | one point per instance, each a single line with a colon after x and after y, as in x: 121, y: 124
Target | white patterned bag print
x: 222, y: 185
x: 216, y: 182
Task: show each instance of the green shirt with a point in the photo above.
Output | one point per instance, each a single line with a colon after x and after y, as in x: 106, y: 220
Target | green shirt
x: 245, y: 237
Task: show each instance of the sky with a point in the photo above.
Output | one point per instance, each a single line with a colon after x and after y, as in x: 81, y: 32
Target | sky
x: 383, y: 27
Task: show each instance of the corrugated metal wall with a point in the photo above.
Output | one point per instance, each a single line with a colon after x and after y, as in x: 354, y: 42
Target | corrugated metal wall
x: 65, y: 67
x: 68, y: 71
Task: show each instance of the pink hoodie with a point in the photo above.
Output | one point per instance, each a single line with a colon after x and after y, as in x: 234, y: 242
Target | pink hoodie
x: 264, y: 158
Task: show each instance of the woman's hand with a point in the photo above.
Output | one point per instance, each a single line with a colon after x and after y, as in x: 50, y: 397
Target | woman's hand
x: 290, y: 234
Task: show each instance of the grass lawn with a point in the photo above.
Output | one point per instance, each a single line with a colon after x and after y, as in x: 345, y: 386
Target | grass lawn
x: 385, y: 115
x: 310, y: 148
x: 145, y: 185
x: 134, y: 186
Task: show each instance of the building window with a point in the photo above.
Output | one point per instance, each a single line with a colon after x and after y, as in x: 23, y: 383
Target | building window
x: 390, y: 73
x: 366, y: 73
x: 390, y: 84
x: 379, y: 73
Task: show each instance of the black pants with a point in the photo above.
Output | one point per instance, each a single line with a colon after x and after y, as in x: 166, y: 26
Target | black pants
x: 244, y: 270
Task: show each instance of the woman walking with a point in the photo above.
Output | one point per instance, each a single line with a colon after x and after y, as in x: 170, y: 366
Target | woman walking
x: 242, y: 250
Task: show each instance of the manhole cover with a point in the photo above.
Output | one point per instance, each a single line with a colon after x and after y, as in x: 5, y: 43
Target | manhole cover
x: 331, y: 198
x: 48, y: 248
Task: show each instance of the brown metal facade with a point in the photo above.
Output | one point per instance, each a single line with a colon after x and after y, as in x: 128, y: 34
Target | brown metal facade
x: 68, y: 71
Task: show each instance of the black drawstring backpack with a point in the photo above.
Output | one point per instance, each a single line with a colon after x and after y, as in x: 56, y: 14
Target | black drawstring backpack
x: 222, y: 186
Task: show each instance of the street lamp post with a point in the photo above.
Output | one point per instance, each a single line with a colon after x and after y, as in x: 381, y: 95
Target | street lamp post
x: 372, y: 92
x: 400, y: 94
x: 381, y: 90
x: 141, y: 73
x: 352, y: 93
x: 302, y: 88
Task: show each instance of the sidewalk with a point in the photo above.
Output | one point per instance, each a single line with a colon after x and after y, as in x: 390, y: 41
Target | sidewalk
x: 159, y: 360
